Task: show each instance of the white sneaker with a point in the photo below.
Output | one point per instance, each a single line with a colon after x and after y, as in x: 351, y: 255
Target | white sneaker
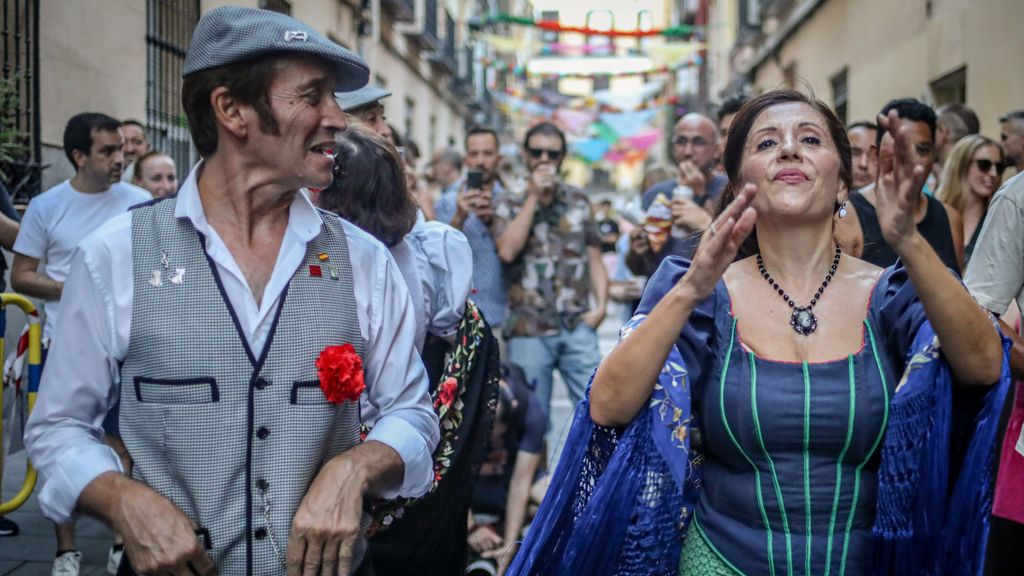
x: 114, y: 560
x: 67, y: 564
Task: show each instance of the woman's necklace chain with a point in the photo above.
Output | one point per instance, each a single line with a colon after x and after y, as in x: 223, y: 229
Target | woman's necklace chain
x: 803, y: 320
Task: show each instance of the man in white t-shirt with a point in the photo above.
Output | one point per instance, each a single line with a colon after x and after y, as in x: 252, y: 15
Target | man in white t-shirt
x: 55, y: 222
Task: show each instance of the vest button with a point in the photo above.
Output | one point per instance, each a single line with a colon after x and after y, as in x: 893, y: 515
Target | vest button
x: 262, y: 433
x: 262, y: 484
x: 260, y: 533
x: 261, y: 383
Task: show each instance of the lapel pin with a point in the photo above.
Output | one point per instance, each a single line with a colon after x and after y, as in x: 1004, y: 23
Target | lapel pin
x: 323, y: 257
x: 315, y: 271
x: 178, y: 277
x: 334, y: 272
x: 155, y: 279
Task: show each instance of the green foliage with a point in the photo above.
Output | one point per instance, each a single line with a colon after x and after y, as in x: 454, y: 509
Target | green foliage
x: 12, y: 141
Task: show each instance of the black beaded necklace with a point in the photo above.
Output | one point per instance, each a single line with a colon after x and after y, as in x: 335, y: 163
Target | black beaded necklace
x: 803, y: 320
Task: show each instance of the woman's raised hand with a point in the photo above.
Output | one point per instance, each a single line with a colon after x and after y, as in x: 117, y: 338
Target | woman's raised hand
x: 717, y: 249
x: 899, y: 185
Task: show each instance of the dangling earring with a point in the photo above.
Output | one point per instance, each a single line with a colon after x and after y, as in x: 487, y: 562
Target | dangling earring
x: 842, y: 209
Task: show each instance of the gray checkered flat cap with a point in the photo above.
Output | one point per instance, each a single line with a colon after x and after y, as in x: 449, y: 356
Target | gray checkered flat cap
x: 232, y: 34
x: 349, y: 101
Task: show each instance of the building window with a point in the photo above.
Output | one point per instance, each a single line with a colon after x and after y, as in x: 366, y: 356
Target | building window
x: 282, y: 6
x: 840, y: 95
x: 950, y: 88
x: 19, y: 93
x: 548, y: 36
x: 169, y: 25
x: 600, y: 20
x: 410, y: 113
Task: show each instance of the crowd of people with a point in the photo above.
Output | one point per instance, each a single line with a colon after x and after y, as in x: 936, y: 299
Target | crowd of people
x: 310, y: 356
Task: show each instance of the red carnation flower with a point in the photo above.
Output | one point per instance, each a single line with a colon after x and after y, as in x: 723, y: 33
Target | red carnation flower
x: 446, y: 395
x: 340, y: 370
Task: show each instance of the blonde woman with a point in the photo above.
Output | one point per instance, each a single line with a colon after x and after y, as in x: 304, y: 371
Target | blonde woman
x: 970, y: 177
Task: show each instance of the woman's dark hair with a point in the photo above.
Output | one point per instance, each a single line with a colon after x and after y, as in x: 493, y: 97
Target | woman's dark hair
x: 369, y: 188
x: 740, y: 129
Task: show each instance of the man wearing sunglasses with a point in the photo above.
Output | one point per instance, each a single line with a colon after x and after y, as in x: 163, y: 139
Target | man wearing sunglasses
x: 694, y: 148
x: 549, y: 243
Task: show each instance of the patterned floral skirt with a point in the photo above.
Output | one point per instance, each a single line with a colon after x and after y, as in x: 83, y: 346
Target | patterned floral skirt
x: 700, y: 559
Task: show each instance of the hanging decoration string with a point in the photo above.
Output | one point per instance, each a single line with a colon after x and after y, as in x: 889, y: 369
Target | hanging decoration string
x: 681, y: 31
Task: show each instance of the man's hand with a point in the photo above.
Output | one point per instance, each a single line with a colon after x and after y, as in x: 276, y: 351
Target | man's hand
x: 483, y: 206
x: 504, y: 556
x: 691, y: 175
x: 473, y: 201
x: 593, y: 318
x: 688, y: 215
x: 327, y: 524
x: 542, y: 179
x: 484, y: 539
x: 158, y: 537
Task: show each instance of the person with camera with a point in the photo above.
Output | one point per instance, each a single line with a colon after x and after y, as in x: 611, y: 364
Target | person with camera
x: 469, y: 206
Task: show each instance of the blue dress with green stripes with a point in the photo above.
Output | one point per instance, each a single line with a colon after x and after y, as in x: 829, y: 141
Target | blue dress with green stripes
x: 791, y: 450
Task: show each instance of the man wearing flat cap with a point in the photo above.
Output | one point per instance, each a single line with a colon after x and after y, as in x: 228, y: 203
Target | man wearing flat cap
x: 237, y: 325
x: 363, y: 105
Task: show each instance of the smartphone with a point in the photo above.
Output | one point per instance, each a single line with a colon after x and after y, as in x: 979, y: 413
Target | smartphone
x: 474, y: 180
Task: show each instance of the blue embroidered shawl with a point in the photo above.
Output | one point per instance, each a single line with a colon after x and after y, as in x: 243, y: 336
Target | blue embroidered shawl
x: 620, y: 501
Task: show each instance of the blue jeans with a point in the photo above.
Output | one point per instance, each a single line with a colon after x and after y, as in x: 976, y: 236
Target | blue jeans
x: 574, y: 353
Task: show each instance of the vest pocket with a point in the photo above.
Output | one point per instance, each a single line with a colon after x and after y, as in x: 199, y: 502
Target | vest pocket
x: 176, y: 391
x: 306, y: 393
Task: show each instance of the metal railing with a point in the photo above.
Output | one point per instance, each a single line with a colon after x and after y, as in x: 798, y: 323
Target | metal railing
x: 169, y: 25
x: 35, y: 372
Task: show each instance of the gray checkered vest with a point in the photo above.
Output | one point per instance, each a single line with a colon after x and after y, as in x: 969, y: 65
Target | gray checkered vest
x: 233, y: 440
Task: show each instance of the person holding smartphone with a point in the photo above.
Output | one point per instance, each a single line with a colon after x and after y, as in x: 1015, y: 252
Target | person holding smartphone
x: 468, y: 205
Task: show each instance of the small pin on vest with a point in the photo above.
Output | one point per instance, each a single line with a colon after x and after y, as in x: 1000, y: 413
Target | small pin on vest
x: 155, y: 279
x: 295, y: 35
x: 315, y: 271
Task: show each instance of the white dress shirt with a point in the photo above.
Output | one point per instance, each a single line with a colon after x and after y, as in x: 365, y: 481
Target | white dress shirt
x: 82, y: 374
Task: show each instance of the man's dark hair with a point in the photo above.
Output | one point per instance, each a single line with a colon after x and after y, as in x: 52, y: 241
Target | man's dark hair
x: 1014, y: 115
x: 132, y: 122
x: 482, y: 130
x: 862, y: 124
x: 247, y: 81
x: 731, y: 105
x: 909, y: 109
x: 547, y: 129
x: 369, y: 188
x: 78, y: 132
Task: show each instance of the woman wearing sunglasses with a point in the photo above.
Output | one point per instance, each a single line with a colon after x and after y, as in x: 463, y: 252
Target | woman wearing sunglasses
x: 971, y: 176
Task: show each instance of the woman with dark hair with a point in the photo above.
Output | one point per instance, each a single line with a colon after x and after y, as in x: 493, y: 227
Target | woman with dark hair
x: 754, y: 398
x: 370, y: 190
x: 426, y: 536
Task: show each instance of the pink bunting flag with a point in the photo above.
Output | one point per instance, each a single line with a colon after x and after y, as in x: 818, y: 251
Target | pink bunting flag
x: 643, y: 140
x: 574, y: 121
